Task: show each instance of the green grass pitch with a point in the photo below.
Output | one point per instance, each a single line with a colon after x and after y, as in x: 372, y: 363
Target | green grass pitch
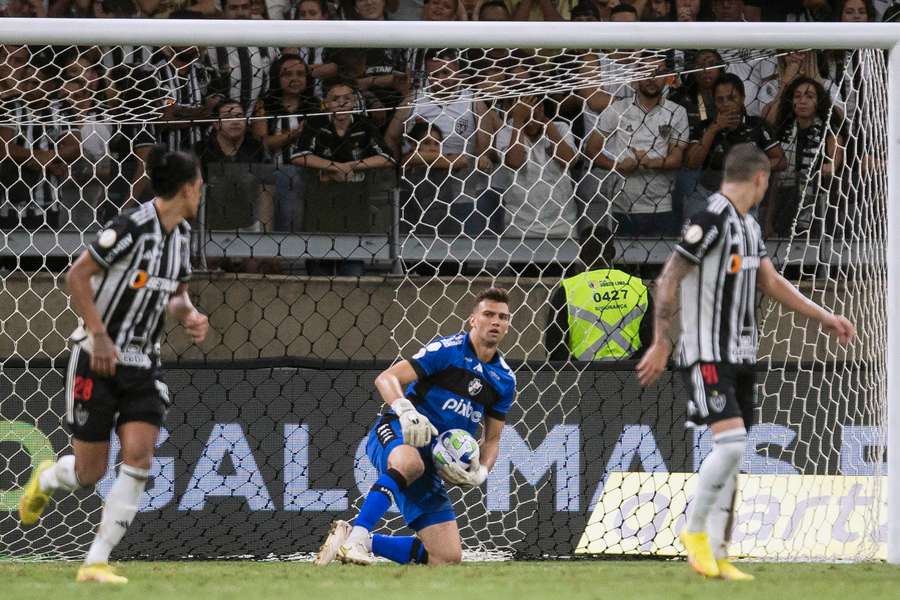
x: 558, y: 580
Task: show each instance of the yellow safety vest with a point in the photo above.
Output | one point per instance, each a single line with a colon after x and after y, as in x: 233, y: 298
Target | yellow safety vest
x: 605, y: 311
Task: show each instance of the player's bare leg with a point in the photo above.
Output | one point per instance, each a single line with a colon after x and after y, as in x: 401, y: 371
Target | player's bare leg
x: 442, y: 543
x: 138, y: 442
x: 722, y: 465
x: 84, y: 468
x: 404, y: 466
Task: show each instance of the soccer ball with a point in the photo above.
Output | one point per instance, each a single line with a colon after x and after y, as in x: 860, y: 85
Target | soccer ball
x: 455, y: 446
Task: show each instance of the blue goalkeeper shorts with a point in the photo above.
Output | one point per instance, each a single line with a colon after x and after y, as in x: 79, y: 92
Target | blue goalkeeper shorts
x: 425, y: 501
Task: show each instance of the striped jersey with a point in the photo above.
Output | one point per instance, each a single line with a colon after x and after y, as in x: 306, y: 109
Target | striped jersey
x: 718, y: 298
x: 142, y: 267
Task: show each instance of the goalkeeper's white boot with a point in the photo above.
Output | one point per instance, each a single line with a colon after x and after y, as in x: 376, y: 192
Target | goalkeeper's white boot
x: 337, y: 536
x: 356, y: 550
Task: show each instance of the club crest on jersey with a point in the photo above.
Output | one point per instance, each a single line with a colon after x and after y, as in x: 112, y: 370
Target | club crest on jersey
x: 717, y: 401
x: 475, y: 386
x: 81, y: 415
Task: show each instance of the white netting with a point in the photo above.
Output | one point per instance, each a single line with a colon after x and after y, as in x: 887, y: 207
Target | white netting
x: 504, y: 156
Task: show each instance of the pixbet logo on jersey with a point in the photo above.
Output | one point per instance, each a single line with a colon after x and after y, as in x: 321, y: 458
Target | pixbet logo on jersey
x: 462, y: 407
x: 142, y: 279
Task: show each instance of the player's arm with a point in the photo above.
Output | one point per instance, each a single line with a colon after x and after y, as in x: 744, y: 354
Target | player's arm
x: 417, y: 429
x: 182, y: 309
x: 78, y: 281
x: 490, y: 444
x: 666, y: 307
x: 773, y: 285
x: 391, y: 382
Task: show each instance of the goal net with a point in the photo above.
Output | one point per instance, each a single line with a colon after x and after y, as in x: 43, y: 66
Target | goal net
x: 500, y: 159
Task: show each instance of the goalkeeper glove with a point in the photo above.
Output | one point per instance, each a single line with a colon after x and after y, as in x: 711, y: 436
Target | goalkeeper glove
x: 474, y: 476
x: 417, y: 429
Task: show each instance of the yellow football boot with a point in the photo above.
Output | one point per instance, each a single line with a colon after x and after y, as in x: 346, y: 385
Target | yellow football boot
x: 34, y: 500
x: 99, y: 572
x: 731, y: 573
x: 699, y: 553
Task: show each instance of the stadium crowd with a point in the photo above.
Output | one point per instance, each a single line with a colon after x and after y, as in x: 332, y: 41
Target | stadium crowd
x: 317, y: 139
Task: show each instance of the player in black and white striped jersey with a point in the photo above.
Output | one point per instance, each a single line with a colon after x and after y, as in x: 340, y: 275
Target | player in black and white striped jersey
x: 719, y: 264
x: 121, y: 286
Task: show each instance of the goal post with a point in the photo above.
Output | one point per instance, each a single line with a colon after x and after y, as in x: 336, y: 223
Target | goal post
x: 624, y: 36
x: 893, y: 304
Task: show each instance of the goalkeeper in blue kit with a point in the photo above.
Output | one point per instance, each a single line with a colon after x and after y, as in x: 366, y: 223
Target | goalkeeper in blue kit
x: 455, y: 382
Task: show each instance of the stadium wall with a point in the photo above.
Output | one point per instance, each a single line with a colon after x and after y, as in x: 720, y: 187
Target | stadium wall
x: 255, y: 317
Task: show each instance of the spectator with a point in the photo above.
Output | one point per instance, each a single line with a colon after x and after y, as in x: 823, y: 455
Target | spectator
x: 115, y: 56
x: 696, y: 96
x: 136, y: 99
x: 259, y: 9
x: 585, y: 11
x: 540, y: 200
x: 855, y: 11
x: 280, y: 118
x: 712, y: 140
x: 732, y: 11
x: 425, y: 141
x: 39, y: 147
x: 753, y: 73
x: 543, y: 10
x: 231, y: 159
x: 637, y: 148
x: 443, y: 10
x: 492, y: 10
x: 814, y: 11
x: 624, y: 13
x: 803, y: 126
x: 843, y: 67
x: 432, y: 10
x: 14, y: 60
x: 615, y: 64
x: 687, y: 11
x: 385, y: 74
x: 790, y: 66
x: 184, y: 77
x: 601, y: 313
x: 351, y: 65
x: 342, y: 148
x: 319, y: 61
x: 71, y: 8
x: 659, y: 10
x: 90, y: 172
x: 242, y: 71
x: 27, y: 8
x: 463, y: 201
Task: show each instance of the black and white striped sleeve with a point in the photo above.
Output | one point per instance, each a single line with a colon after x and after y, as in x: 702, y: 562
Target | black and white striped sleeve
x: 113, y: 242
x: 699, y: 235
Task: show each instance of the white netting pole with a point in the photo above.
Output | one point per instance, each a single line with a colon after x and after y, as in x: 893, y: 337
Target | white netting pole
x: 893, y: 309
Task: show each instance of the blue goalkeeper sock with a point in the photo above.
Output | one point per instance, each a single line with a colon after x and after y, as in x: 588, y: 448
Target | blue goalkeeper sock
x: 400, y: 549
x: 379, y: 499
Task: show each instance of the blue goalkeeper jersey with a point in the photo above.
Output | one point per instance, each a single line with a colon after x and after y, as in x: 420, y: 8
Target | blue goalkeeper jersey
x: 455, y: 390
